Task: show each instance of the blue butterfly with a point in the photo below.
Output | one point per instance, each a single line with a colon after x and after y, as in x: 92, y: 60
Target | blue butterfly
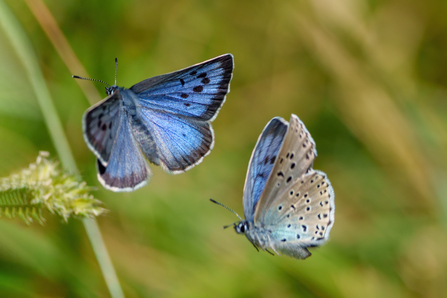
x: 165, y: 120
x: 288, y: 206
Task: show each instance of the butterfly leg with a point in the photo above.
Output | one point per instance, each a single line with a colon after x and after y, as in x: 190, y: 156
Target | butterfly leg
x: 274, y: 249
x: 256, y: 247
x: 270, y: 252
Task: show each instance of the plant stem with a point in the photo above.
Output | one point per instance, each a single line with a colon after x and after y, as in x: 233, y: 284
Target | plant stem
x: 21, y: 44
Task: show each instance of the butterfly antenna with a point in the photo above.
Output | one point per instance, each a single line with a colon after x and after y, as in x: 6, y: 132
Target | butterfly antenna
x: 88, y: 79
x: 227, y: 209
x: 116, y: 68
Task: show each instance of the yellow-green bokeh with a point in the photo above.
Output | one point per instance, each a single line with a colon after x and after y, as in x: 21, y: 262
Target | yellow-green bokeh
x: 368, y: 78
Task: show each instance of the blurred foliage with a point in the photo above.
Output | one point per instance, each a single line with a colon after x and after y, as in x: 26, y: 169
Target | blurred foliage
x: 45, y: 186
x: 368, y: 78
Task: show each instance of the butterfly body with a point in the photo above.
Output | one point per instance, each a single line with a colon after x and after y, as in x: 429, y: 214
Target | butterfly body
x: 288, y: 205
x: 165, y: 120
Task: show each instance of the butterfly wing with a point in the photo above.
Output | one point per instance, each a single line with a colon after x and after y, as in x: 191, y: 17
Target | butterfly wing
x: 198, y: 91
x: 181, y: 142
x: 126, y: 169
x: 294, y: 159
x: 177, y: 108
x: 302, y: 215
x: 100, y: 127
x: 261, y: 163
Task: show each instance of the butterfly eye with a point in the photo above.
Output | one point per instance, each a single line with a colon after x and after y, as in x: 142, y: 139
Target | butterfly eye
x: 241, y: 228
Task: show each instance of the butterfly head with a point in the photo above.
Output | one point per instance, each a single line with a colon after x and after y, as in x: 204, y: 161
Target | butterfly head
x: 241, y: 227
x: 109, y: 89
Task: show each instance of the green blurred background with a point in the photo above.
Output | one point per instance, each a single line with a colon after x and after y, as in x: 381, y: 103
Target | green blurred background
x: 368, y: 78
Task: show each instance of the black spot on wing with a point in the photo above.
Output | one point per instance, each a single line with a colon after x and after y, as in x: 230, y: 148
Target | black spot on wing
x: 182, y: 82
x: 225, y: 64
x: 266, y: 160
x: 217, y: 76
x: 197, y: 89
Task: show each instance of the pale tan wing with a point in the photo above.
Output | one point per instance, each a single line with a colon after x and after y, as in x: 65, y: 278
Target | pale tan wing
x: 295, y: 158
x: 303, y: 214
